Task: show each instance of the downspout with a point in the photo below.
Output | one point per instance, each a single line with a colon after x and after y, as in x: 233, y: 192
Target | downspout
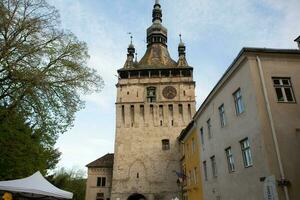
x: 275, y: 140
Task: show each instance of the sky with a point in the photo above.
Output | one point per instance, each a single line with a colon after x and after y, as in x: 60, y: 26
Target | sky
x: 214, y: 31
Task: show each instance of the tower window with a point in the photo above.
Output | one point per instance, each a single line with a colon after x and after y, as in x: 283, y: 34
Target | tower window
x: 100, y: 196
x: 142, y: 111
x: 151, y: 94
x: 101, y: 181
x: 123, y: 114
x: 132, y: 114
x: 190, y: 110
x: 165, y: 144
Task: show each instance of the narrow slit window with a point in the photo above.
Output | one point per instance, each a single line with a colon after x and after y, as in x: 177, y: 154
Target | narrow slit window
x: 123, y: 114
x: 180, y: 110
x: 190, y: 110
x: 142, y: 112
x: 132, y: 114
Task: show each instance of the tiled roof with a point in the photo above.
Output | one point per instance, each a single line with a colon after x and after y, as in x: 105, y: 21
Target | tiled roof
x: 104, y: 161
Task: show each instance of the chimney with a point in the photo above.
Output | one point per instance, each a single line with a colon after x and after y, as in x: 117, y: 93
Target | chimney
x: 298, y: 41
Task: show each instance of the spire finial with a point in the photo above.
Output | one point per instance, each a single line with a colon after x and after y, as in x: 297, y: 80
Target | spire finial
x: 180, y: 37
x: 157, y: 12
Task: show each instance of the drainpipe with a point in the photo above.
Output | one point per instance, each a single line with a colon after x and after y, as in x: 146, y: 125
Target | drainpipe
x: 275, y: 140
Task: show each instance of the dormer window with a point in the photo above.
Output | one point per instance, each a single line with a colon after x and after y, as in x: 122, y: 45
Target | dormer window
x: 151, y: 94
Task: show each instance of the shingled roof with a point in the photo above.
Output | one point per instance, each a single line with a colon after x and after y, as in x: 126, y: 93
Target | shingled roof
x: 105, y: 161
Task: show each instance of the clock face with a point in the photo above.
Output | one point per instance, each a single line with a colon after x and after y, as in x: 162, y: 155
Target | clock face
x: 169, y: 92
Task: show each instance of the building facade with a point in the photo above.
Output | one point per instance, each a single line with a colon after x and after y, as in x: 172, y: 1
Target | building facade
x: 155, y: 101
x: 99, y: 181
x: 191, y: 179
x: 249, y: 127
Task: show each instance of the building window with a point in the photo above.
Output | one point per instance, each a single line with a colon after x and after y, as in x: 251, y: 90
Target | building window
x: 205, y: 170
x: 195, y: 175
x: 284, y: 90
x: 247, y: 157
x: 193, y: 145
x: 190, y: 178
x: 239, y: 105
x: 208, y: 122
x: 190, y: 111
x: 222, y: 115
x: 101, y: 181
x: 202, y: 135
x: 100, y: 196
x: 151, y: 94
x: 165, y: 144
x: 230, y: 160
x: 187, y: 150
x: 213, y: 166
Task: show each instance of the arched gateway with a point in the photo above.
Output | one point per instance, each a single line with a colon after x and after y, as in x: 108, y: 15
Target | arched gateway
x: 136, y: 196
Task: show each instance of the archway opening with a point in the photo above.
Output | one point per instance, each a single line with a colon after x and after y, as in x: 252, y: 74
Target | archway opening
x: 136, y: 196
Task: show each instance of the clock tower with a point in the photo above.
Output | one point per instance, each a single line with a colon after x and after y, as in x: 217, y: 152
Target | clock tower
x: 155, y: 101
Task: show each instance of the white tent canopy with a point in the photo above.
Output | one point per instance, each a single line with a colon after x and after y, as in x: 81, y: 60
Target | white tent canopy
x: 36, y: 185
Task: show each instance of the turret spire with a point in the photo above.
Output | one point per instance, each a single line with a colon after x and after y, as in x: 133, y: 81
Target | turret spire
x: 181, y: 52
x: 130, y: 54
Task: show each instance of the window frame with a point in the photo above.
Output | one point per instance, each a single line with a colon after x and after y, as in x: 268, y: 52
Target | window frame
x: 151, y: 98
x: 230, y: 159
x: 205, y: 170
x: 195, y: 175
x: 165, y: 144
x: 202, y: 136
x: 246, y: 153
x: 208, y: 123
x: 238, y: 102
x: 222, y: 115
x: 283, y: 88
x: 193, y: 145
x: 101, y: 181
x: 214, y: 166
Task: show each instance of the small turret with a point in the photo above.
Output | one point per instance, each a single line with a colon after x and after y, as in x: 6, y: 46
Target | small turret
x: 181, y: 53
x: 130, y: 55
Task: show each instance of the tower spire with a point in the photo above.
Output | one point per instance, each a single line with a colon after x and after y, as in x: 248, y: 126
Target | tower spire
x: 157, y: 12
x: 157, y: 33
x: 130, y: 54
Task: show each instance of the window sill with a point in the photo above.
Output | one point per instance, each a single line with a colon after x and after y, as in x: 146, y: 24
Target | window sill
x: 287, y: 102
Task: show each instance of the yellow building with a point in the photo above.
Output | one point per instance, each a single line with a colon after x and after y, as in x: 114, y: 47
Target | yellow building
x: 190, y: 161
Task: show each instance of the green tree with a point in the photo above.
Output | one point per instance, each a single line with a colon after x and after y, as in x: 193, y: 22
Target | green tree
x: 23, y: 151
x: 43, y: 69
x: 70, y: 180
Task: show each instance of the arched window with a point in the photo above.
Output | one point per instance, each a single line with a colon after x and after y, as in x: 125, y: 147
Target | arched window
x: 151, y: 94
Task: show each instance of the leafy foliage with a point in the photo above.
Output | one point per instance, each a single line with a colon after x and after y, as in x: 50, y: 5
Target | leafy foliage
x: 22, y: 150
x: 43, y: 70
x: 70, y: 180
